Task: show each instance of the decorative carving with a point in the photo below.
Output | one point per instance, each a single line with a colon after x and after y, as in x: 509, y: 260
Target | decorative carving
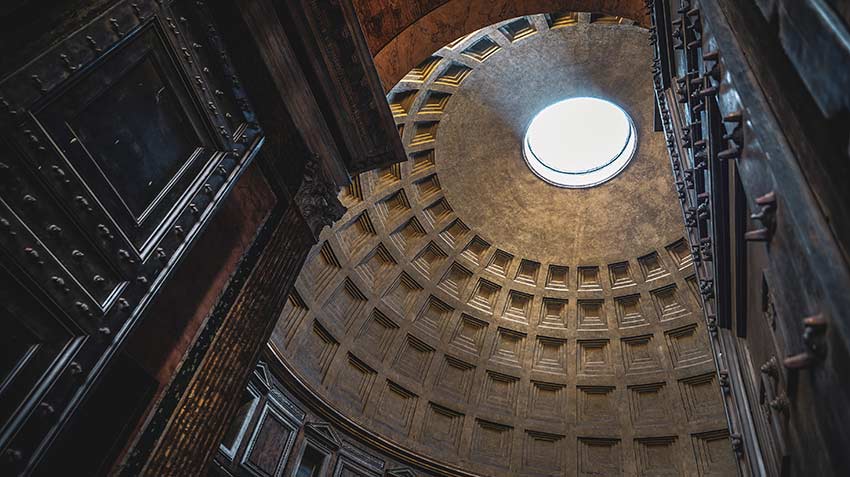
x: 317, y: 198
x: 323, y: 432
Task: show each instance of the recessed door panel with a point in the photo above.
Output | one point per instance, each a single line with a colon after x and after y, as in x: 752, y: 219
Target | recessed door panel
x: 34, y: 343
x: 132, y: 131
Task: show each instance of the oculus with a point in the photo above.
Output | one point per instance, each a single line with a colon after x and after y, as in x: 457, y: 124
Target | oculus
x: 579, y: 142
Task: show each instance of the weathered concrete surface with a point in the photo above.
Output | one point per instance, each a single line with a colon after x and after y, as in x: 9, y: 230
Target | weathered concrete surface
x: 479, y: 154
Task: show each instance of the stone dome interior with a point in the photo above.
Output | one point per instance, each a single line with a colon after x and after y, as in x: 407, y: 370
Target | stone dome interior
x: 471, y: 313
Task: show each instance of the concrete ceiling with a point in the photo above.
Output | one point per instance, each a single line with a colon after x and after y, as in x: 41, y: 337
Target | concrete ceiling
x: 485, y: 178
x: 478, y: 318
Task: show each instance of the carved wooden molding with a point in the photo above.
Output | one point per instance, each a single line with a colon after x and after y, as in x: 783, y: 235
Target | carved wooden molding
x: 726, y: 102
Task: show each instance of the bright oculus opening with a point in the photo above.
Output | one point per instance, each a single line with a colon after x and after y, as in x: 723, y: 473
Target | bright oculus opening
x: 579, y: 142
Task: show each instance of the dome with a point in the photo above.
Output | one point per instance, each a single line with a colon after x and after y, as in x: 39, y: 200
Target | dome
x: 480, y: 316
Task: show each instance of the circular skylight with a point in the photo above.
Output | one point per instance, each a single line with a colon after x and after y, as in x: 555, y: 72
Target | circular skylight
x: 579, y: 142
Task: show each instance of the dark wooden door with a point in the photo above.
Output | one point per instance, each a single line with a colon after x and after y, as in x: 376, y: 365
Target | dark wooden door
x: 120, y: 141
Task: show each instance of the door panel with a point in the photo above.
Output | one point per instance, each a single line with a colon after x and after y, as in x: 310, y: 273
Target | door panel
x: 131, y: 130
x: 121, y: 140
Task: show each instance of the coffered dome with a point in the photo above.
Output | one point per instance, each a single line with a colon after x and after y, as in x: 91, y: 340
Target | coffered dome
x: 466, y: 311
